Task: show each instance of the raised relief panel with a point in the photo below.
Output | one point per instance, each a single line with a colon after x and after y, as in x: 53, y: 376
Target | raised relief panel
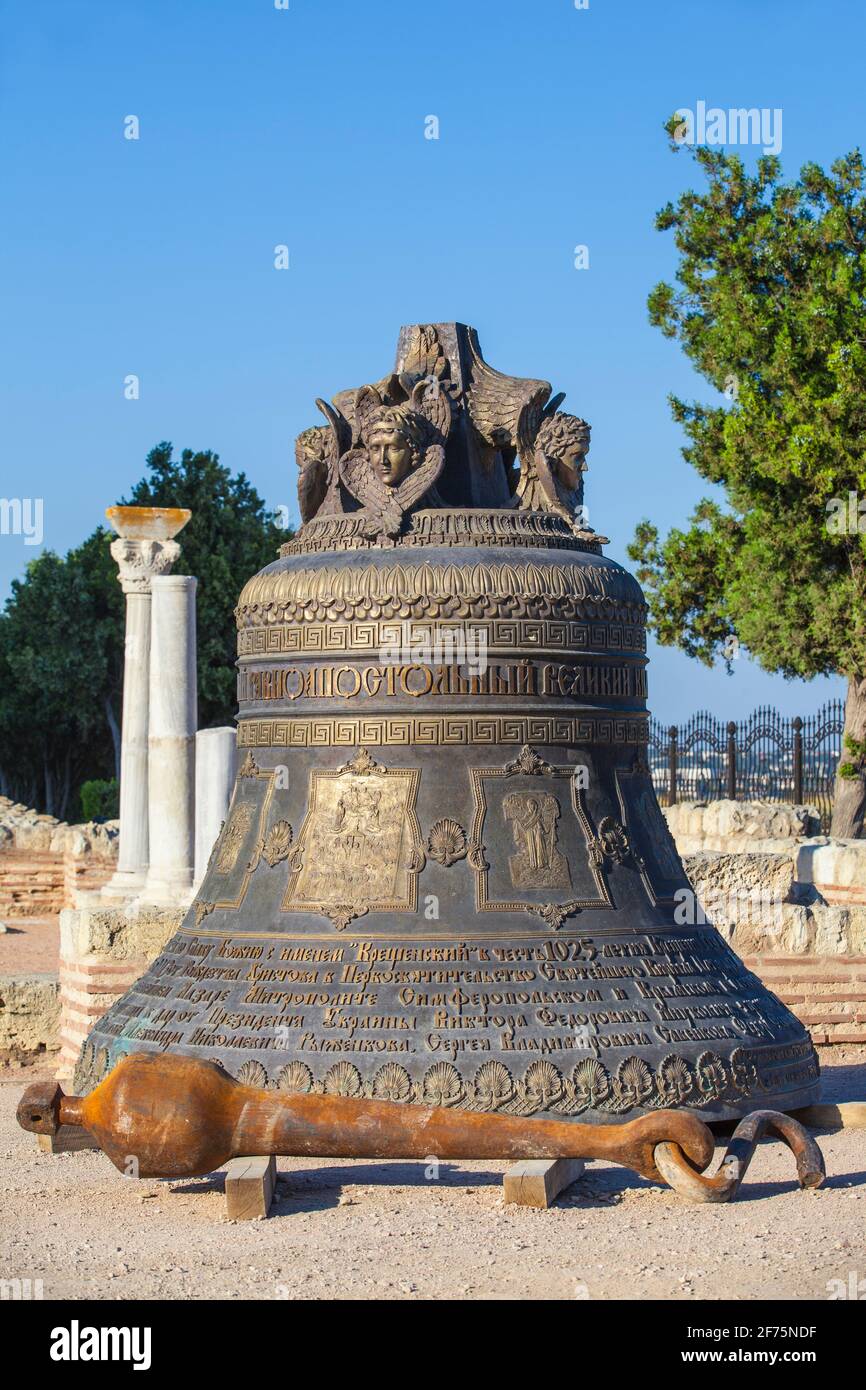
x: 531, y: 841
x: 537, y: 862
x: 237, y: 852
x: 359, y: 849
x: 232, y: 839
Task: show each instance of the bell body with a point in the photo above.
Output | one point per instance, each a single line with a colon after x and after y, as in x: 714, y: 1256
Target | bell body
x: 444, y: 877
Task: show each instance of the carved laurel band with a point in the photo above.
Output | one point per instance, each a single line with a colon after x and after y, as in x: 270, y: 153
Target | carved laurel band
x: 562, y: 591
x: 590, y: 1085
x: 452, y: 527
x: 431, y: 730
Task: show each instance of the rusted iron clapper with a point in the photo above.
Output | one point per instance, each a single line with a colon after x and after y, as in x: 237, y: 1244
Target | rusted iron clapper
x: 181, y: 1117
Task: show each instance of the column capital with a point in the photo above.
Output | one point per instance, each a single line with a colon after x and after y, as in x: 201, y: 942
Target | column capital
x: 140, y: 561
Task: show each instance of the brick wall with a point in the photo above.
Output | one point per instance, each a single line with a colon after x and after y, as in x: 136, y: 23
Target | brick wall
x: 827, y: 993
x: 103, y: 951
x: 40, y: 883
x: 84, y: 874
x: 32, y: 883
x: 87, y: 989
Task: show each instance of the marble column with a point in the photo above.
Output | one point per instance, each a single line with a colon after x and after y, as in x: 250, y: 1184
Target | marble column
x: 144, y: 549
x: 215, y: 763
x: 171, y: 742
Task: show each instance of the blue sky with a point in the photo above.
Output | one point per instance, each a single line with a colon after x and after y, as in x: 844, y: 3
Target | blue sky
x: 305, y: 127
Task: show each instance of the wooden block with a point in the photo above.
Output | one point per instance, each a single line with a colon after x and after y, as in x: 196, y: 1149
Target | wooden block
x: 537, y: 1182
x: 849, y: 1114
x: 250, y: 1186
x: 69, y: 1139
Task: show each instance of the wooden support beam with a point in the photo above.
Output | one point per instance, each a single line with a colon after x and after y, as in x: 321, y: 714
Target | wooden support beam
x: 69, y: 1139
x: 849, y: 1114
x: 250, y: 1184
x: 537, y: 1182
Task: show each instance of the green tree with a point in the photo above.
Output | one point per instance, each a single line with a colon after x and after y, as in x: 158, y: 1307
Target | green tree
x: 100, y: 799
x: 62, y: 631
x: 770, y: 307
x: 61, y: 650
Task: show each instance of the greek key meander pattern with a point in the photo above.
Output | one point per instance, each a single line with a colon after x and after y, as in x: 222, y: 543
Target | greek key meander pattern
x: 427, y: 730
x: 542, y: 1087
x: 520, y: 635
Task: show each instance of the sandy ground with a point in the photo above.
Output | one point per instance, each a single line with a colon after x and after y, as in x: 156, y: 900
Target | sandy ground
x: 343, y: 1230
x: 29, y: 944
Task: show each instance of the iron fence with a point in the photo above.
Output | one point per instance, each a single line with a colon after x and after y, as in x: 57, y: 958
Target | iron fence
x: 768, y: 756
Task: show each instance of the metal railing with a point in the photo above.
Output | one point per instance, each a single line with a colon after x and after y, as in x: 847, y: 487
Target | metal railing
x: 768, y: 756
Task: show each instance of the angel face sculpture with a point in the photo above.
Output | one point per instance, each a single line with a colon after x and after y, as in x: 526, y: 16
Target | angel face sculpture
x: 312, y: 458
x: 563, y: 439
x: 317, y: 453
x: 395, y: 443
x: 551, y: 474
x: 399, y: 458
x: 382, y: 450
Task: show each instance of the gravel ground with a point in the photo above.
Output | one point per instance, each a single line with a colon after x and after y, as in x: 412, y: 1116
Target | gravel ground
x: 343, y: 1230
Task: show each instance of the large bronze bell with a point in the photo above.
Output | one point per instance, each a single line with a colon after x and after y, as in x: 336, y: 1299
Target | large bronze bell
x: 444, y: 876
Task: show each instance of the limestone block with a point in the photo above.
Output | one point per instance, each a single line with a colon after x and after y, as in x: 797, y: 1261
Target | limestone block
x: 839, y: 930
x: 710, y: 818
x: 117, y: 933
x: 727, y: 826
x: 29, y: 1013
x: 694, y: 819
x: 836, y: 867
x: 758, y: 903
x: 743, y: 873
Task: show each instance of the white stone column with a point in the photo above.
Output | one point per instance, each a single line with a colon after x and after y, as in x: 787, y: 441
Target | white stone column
x: 215, y: 764
x: 171, y: 744
x: 144, y: 549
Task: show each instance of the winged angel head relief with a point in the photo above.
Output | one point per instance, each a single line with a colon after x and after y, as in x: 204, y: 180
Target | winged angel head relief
x: 381, y: 450
x: 552, y: 479
x: 395, y: 441
x: 401, y: 454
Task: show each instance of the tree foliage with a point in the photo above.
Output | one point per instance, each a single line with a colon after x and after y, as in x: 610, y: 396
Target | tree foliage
x: 61, y: 651
x: 769, y: 306
x: 62, y: 631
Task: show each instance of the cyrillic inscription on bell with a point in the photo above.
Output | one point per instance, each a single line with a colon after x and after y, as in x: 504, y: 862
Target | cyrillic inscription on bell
x: 444, y: 876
